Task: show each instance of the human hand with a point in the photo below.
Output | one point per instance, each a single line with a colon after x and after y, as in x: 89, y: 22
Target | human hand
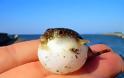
x: 20, y: 61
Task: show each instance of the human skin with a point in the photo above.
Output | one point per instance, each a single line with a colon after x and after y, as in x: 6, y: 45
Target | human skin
x: 20, y: 61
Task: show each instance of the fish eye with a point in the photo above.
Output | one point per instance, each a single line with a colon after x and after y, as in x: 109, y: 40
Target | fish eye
x: 61, y: 32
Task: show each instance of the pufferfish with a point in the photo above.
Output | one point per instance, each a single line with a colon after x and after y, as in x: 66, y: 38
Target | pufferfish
x: 63, y: 51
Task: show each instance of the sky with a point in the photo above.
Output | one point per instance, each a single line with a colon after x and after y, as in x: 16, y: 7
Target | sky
x: 84, y: 16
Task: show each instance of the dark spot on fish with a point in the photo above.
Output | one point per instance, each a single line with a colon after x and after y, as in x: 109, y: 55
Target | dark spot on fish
x: 67, y: 67
x: 76, y: 56
x: 50, y: 38
x: 57, y: 70
x: 74, y: 50
x: 77, y: 53
x: 64, y: 56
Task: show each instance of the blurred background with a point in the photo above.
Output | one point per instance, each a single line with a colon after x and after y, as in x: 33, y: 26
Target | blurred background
x: 84, y: 16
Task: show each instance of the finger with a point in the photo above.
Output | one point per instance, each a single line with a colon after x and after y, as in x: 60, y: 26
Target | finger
x: 35, y: 70
x: 110, y: 63
x: 17, y: 54
x: 100, y: 47
x: 28, y: 70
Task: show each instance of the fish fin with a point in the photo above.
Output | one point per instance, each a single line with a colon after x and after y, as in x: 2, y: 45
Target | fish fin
x: 43, y: 41
x: 83, y: 41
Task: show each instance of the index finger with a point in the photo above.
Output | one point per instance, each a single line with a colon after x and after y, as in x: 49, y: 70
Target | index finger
x: 18, y: 54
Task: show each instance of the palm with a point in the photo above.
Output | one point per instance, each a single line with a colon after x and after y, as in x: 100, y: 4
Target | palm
x: 103, y: 66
